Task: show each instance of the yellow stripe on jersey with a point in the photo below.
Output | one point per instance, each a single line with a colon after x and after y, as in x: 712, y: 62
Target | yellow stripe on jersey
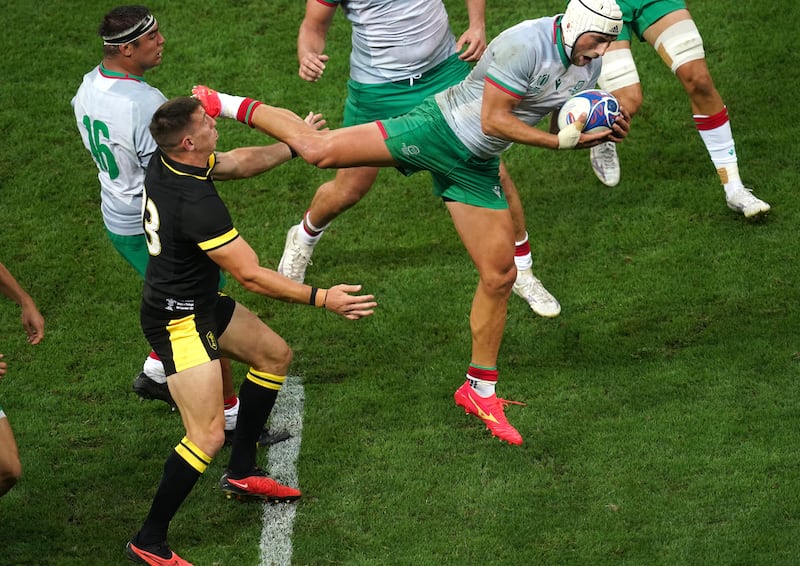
x: 214, y: 243
x: 187, y: 348
x: 195, y: 457
x: 181, y: 173
x: 266, y: 380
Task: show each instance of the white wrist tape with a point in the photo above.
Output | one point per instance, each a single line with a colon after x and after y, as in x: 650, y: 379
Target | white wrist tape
x: 229, y: 105
x: 569, y: 135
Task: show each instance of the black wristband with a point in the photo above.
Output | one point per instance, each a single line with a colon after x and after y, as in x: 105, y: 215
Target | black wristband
x: 313, y: 300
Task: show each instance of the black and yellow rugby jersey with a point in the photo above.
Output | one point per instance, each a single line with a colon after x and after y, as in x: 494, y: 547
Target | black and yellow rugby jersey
x: 184, y: 217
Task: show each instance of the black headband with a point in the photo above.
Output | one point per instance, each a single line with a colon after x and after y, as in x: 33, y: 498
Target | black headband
x: 131, y: 34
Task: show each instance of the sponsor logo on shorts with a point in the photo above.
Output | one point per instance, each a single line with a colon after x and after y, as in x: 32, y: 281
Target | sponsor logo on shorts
x: 410, y: 149
x: 179, y: 305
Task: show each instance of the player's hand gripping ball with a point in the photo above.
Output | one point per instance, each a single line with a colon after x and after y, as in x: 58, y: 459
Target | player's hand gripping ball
x: 601, y: 109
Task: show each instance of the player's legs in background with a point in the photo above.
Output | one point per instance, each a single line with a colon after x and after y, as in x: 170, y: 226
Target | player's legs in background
x: 151, y: 383
x: 331, y: 199
x: 619, y: 77
x: 364, y: 104
x: 677, y: 40
x: 230, y: 402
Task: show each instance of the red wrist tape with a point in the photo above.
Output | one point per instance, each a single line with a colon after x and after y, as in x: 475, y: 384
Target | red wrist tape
x: 246, y: 109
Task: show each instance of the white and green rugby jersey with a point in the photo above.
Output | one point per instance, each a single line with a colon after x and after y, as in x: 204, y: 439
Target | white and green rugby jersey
x: 528, y: 62
x: 396, y: 40
x: 113, y: 112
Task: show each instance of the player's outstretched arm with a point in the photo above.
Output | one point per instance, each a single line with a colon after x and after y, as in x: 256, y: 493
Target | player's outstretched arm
x: 340, y: 300
x: 239, y: 259
x: 353, y: 146
x: 221, y: 105
x: 279, y: 123
x: 245, y: 162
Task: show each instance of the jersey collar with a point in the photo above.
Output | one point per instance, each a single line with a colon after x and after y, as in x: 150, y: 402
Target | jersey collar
x: 182, y: 169
x: 558, y: 41
x: 124, y: 76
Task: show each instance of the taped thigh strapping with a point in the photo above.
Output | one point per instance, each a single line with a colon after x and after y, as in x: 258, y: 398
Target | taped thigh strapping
x: 679, y: 44
x: 619, y: 70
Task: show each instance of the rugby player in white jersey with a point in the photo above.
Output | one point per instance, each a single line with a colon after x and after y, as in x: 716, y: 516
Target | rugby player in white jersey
x: 401, y: 53
x: 113, y: 108
x: 526, y: 73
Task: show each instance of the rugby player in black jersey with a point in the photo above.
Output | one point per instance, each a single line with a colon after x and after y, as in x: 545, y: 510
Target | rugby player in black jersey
x: 190, y: 325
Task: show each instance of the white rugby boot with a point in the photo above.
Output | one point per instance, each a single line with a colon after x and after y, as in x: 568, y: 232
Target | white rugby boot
x: 538, y: 298
x: 605, y: 163
x: 743, y: 200
x: 296, y: 256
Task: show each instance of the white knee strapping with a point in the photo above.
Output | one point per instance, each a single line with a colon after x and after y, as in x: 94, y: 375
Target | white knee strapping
x: 679, y: 44
x: 619, y: 70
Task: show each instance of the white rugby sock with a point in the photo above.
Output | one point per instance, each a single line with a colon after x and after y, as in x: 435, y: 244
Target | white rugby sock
x: 715, y: 131
x: 522, y: 254
x: 154, y: 369
x: 482, y: 387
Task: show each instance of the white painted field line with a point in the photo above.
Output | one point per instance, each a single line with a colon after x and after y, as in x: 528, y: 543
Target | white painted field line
x: 276, y: 532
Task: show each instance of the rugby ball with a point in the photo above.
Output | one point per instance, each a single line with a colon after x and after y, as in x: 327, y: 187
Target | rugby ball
x: 601, y: 109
